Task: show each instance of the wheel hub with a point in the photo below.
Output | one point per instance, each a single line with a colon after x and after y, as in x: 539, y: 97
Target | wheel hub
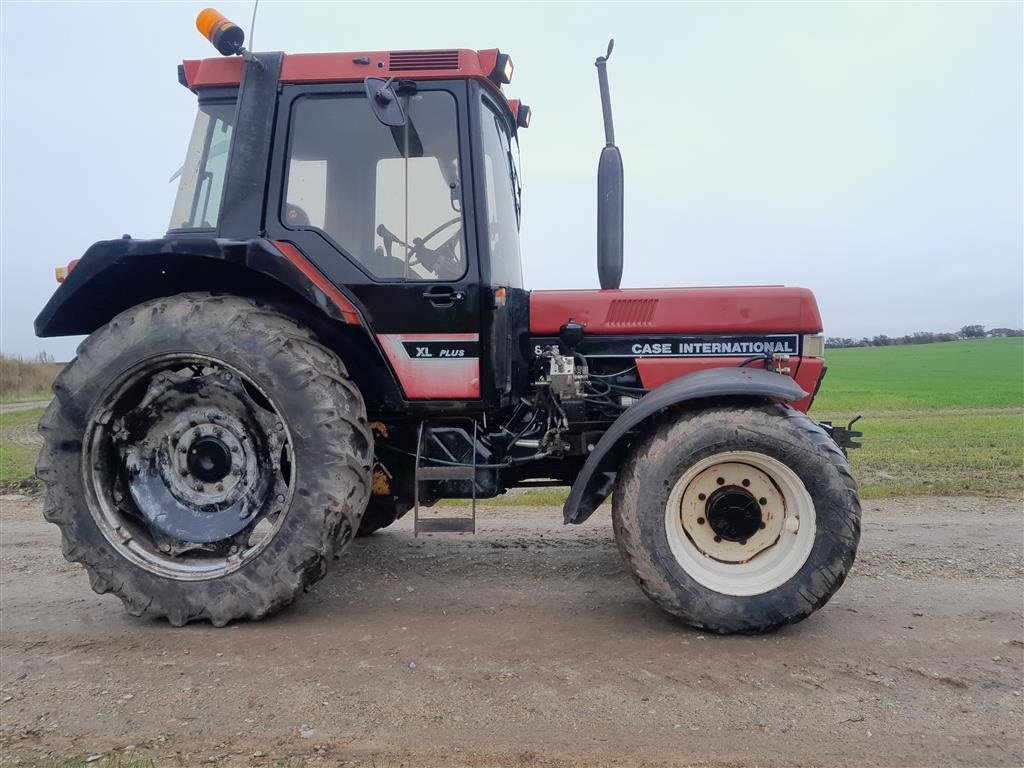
x: 209, y: 459
x: 212, y: 456
x: 733, y: 514
x: 732, y: 511
x: 203, y: 460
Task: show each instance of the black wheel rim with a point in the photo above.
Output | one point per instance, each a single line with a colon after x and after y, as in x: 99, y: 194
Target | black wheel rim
x: 190, y: 466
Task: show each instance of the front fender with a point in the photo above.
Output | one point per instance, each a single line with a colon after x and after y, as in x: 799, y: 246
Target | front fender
x: 114, y: 275
x: 598, y: 475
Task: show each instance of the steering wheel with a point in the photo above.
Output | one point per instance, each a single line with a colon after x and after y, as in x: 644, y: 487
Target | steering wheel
x: 443, y: 261
x: 294, y: 216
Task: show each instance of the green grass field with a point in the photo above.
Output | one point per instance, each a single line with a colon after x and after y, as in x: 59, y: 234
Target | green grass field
x: 987, y: 373
x: 944, y: 419
x: 938, y: 419
x: 19, y: 446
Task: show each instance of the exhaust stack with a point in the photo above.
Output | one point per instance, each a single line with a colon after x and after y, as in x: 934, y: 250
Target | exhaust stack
x: 609, y: 190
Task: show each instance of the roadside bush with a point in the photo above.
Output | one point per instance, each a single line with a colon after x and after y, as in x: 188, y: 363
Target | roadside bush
x: 22, y: 379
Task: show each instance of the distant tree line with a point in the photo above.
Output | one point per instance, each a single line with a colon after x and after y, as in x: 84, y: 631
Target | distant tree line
x: 924, y: 337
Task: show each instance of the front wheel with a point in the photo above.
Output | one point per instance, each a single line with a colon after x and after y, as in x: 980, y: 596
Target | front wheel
x: 738, y: 518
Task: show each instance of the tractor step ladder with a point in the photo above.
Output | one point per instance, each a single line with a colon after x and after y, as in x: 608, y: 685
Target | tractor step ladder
x: 442, y: 472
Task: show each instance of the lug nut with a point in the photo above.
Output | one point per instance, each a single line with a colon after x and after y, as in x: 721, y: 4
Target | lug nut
x: 700, y: 521
x: 234, y: 449
x: 720, y: 481
x: 762, y: 501
x: 279, y: 426
x: 761, y: 525
x: 184, y: 472
x: 701, y: 496
x: 220, y: 486
x: 280, y: 497
x: 182, y: 449
x: 718, y: 539
x: 165, y: 547
x: 198, y: 486
x: 743, y: 541
x: 746, y: 483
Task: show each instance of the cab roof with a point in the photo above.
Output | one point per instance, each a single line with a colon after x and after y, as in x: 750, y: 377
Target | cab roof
x: 354, y: 67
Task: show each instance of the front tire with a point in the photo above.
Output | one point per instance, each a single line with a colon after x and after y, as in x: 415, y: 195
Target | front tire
x: 738, y: 518
x: 204, y: 457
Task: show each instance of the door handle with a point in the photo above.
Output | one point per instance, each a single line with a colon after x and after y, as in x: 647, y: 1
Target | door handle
x: 443, y: 295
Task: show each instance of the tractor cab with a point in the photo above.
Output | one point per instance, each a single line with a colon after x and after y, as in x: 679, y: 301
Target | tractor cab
x: 394, y: 174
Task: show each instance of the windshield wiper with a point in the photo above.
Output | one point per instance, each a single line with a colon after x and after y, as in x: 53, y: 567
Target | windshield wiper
x: 517, y: 190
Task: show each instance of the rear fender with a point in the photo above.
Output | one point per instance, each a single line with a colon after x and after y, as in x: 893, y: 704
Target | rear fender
x: 596, y: 479
x: 114, y: 275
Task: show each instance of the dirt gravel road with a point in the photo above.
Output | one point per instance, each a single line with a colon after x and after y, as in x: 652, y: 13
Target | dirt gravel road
x: 529, y: 645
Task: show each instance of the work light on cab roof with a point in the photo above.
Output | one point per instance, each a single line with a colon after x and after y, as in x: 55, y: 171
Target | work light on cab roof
x: 335, y: 331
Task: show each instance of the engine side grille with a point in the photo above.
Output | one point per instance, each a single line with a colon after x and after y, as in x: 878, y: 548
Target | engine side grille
x: 407, y: 61
x: 631, y: 312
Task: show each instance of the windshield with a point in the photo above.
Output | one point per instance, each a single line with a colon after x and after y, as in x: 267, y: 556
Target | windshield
x: 389, y: 198
x: 501, y: 196
x: 197, y: 205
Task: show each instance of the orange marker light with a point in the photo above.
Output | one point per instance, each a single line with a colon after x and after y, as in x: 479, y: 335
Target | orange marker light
x: 226, y: 36
x: 61, y: 273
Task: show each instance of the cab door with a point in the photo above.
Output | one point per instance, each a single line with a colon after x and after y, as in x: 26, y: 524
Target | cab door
x: 380, y: 211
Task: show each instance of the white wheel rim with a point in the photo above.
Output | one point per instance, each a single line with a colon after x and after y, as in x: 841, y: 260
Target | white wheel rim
x: 740, y: 523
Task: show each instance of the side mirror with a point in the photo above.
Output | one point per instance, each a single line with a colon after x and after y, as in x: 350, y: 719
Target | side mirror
x: 384, y: 101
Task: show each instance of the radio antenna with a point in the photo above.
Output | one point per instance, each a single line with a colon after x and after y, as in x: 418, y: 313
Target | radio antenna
x: 252, y: 25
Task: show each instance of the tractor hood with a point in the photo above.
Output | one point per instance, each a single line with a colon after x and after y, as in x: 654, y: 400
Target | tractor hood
x: 736, y: 310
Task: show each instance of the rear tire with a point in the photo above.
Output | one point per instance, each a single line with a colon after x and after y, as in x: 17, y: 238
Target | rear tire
x: 738, y: 518
x: 226, y: 415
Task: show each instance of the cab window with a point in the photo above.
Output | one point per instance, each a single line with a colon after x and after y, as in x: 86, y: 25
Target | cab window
x: 197, y: 205
x: 501, y: 199
x: 389, y: 198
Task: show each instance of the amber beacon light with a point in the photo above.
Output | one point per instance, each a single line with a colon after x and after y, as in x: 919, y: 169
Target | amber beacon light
x: 226, y: 36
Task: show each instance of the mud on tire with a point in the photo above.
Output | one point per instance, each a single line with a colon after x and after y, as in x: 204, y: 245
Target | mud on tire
x: 737, y: 518
x: 307, y: 422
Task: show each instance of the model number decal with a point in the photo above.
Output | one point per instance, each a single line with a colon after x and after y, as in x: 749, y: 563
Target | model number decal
x: 441, y: 350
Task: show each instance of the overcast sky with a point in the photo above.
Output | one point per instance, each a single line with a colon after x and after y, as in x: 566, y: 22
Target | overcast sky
x: 870, y: 152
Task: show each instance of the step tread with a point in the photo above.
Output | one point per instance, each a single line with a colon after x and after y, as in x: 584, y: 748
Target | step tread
x: 445, y: 473
x: 446, y: 525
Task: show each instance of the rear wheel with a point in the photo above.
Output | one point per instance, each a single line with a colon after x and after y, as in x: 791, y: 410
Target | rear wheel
x: 204, y: 457
x: 738, y: 519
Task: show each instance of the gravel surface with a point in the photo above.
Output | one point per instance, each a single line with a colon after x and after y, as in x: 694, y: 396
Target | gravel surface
x: 528, y: 644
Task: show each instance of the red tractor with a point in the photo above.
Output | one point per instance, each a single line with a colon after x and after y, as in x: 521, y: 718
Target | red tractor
x: 334, y: 331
